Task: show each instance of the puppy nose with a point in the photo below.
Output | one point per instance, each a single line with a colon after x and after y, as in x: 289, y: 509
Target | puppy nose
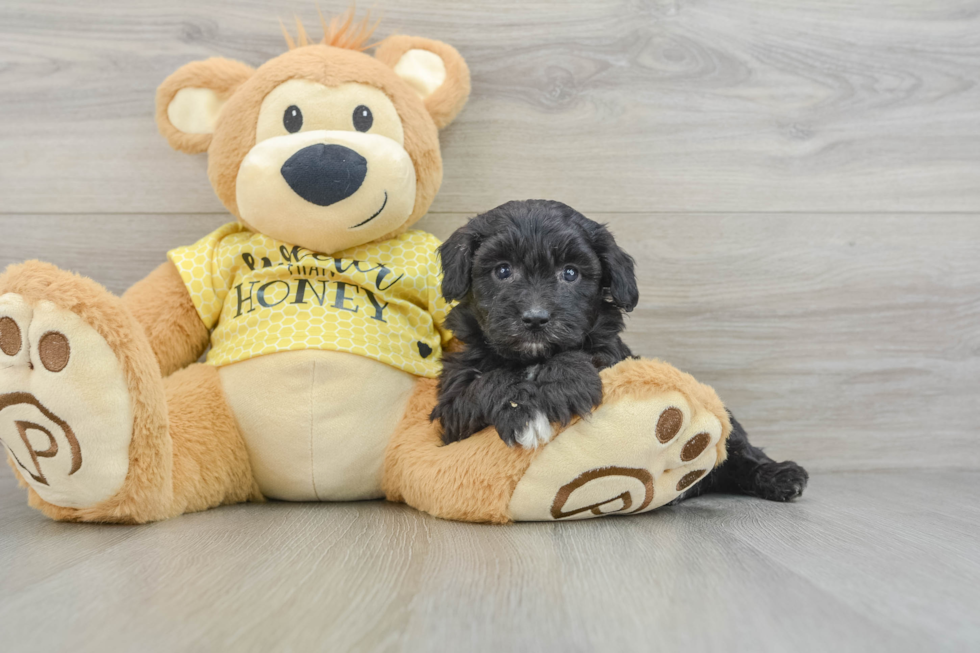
x: 535, y: 318
x: 325, y: 174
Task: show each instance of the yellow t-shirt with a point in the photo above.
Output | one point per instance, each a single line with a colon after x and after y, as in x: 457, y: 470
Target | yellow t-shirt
x: 259, y: 296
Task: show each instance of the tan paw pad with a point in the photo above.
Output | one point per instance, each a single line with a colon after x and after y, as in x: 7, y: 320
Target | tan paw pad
x: 65, y: 412
x: 629, y: 457
x: 10, y: 336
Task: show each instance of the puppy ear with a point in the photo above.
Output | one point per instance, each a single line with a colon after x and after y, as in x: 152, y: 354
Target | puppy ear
x: 618, y: 272
x: 434, y: 70
x: 190, y: 100
x: 456, y: 255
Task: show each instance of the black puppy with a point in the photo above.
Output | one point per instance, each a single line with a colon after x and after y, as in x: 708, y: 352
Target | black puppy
x: 542, y: 291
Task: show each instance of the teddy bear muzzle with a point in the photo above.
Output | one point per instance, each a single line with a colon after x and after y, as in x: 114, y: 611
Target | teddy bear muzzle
x: 326, y: 190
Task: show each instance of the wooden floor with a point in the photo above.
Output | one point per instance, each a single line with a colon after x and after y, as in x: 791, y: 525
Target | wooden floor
x: 799, y: 181
x: 884, y: 561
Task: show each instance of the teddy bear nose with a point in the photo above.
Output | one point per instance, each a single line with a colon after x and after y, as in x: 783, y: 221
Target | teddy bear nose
x: 325, y: 174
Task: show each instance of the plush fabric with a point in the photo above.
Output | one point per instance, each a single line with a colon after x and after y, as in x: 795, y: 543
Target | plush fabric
x: 220, y: 76
x: 472, y: 480
x: 211, y: 463
x: 314, y: 421
x: 235, y: 132
x: 657, y: 431
x: 75, y: 457
x: 206, y: 467
x: 147, y: 493
x: 477, y: 479
x: 161, y: 304
x: 445, y: 103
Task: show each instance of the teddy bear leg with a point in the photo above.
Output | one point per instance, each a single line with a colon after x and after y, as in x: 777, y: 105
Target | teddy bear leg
x: 657, y: 433
x: 210, y: 462
x: 471, y: 480
x: 83, y: 407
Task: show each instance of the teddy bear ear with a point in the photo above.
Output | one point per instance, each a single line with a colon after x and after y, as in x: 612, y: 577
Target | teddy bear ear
x: 434, y: 70
x: 190, y: 100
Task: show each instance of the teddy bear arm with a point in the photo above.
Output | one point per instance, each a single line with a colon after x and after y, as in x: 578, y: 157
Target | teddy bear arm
x: 162, y: 306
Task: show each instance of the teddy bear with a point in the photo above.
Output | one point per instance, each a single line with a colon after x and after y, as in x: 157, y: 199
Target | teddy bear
x: 320, y: 311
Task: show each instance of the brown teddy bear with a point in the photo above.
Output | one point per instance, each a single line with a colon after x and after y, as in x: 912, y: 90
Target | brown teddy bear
x: 324, y: 320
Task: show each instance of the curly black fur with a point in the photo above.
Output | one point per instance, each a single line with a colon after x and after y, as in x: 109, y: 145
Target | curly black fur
x: 750, y: 471
x: 537, y: 338
x: 535, y: 341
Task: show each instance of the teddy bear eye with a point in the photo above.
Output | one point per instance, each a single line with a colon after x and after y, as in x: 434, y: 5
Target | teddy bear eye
x: 363, y: 118
x: 292, y: 120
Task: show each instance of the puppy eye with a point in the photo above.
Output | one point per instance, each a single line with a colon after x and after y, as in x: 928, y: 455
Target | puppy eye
x: 502, y: 271
x: 570, y: 273
x: 363, y: 118
x: 292, y: 120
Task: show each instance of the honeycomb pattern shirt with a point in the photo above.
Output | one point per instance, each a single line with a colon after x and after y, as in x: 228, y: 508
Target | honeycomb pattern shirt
x: 259, y: 296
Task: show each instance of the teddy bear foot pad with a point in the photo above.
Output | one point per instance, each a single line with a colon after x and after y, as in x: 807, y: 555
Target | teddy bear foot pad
x: 626, y: 458
x: 66, y: 418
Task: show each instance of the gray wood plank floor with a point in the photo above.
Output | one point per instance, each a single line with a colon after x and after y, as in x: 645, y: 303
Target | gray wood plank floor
x: 864, y: 562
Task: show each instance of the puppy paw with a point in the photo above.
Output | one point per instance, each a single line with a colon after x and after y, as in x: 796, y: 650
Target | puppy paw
x: 523, y: 425
x: 568, y: 386
x: 779, y: 481
x: 537, y: 432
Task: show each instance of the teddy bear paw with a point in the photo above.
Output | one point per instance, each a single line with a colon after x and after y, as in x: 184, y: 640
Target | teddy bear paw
x: 65, y: 412
x: 630, y: 457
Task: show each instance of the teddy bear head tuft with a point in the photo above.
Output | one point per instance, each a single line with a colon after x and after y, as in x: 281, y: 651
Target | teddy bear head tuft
x: 324, y: 147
